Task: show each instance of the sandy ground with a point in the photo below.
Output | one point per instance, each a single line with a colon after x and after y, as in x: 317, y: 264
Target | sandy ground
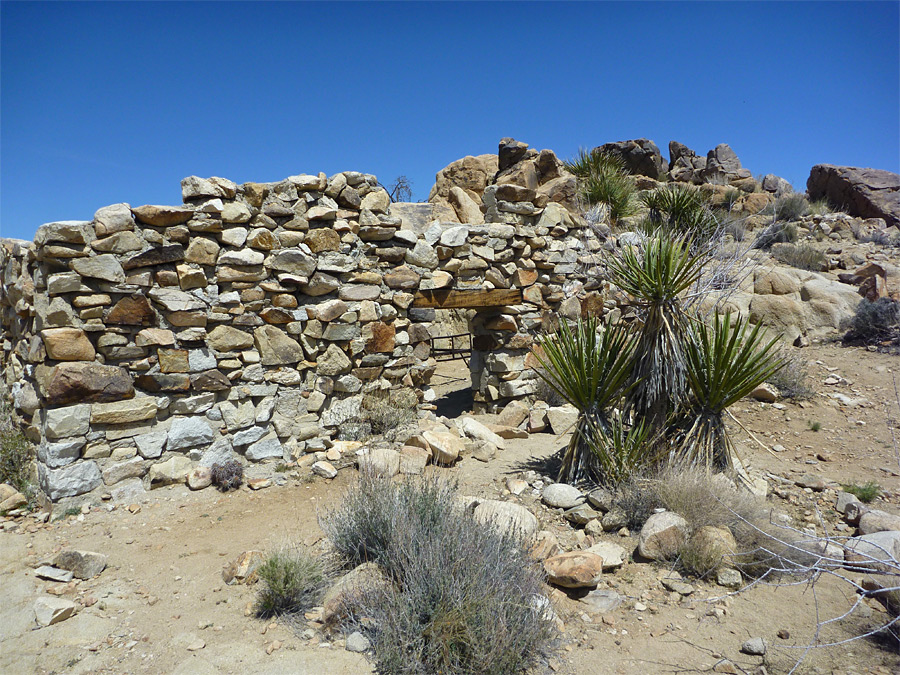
x: 162, y: 607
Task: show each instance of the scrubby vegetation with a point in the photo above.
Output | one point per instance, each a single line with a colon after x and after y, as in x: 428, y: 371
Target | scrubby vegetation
x: 792, y: 380
x: 463, y: 597
x: 790, y: 207
x: 381, y: 413
x: 875, y: 322
x: 17, y: 466
x: 866, y: 492
x: 801, y: 256
x: 776, y: 233
x: 603, y: 179
x: 293, y: 581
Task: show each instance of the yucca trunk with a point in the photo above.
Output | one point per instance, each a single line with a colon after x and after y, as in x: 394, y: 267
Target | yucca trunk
x: 658, y: 375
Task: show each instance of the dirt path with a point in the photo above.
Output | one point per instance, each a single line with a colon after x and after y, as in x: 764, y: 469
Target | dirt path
x: 162, y: 606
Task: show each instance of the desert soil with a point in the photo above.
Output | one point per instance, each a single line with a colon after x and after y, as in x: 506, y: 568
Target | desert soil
x: 162, y: 606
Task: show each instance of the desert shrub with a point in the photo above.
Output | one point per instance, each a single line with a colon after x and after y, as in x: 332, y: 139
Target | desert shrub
x: 735, y: 227
x: 820, y: 207
x: 730, y: 198
x: 699, y: 558
x: 801, y: 256
x: 712, y: 500
x: 293, y: 580
x: 705, y: 499
x: 604, y: 179
x: 386, y: 411
x: 636, y: 499
x: 381, y: 413
x: 464, y: 599
x: 17, y: 455
x: 227, y: 475
x: 769, y: 550
x: 793, y: 381
x: 789, y: 207
x: 544, y: 392
x: 17, y: 462
x: 866, y: 492
x: 776, y: 233
x: 874, y: 321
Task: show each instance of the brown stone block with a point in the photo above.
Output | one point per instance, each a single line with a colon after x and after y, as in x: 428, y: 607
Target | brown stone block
x: 155, y: 256
x: 173, y: 360
x: 160, y: 382
x: 132, y: 311
x: 87, y: 383
x: 383, y: 338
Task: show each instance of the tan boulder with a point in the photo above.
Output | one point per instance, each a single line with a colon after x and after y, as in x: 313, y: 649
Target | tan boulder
x: 67, y: 344
x: 576, y: 569
x: 347, y: 591
x: 471, y: 174
x: 467, y: 209
x: 662, y: 536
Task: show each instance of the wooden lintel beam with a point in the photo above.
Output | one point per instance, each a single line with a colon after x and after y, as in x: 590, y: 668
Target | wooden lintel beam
x: 446, y: 298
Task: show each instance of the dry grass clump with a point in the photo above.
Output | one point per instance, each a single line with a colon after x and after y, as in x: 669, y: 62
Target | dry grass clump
x: 793, y: 381
x: 382, y: 413
x: 637, y: 500
x: 802, y: 256
x: 705, y: 499
x: 293, y: 581
x: 875, y: 321
x: 759, y: 546
x: 776, y: 233
x: 464, y: 597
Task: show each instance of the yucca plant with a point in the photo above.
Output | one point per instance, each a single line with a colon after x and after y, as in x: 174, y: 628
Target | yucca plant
x: 680, y: 210
x: 622, y: 451
x: 603, y: 179
x: 725, y: 362
x: 588, y: 366
x: 657, y: 275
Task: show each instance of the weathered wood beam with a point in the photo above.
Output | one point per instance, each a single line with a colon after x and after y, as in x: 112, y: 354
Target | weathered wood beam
x: 446, y: 298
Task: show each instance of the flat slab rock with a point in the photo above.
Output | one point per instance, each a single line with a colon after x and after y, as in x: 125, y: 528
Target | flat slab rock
x: 50, y: 610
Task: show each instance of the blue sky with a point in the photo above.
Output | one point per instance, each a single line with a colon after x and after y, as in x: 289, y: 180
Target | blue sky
x: 109, y: 102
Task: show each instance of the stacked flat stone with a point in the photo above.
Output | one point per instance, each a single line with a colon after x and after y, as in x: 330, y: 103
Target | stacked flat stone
x: 247, y: 323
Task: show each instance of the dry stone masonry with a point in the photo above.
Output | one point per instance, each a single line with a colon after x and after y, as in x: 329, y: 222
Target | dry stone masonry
x: 254, y: 321
x: 250, y: 322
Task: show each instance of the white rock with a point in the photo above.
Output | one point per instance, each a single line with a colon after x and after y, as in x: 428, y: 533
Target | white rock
x: 189, y: 432
x: 50, y: 610
x: 324, y: 469
x: 562, y: 496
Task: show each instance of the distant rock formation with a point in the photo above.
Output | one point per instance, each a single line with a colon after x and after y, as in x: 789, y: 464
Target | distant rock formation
x: 641, y: 157
x: 867, y: 193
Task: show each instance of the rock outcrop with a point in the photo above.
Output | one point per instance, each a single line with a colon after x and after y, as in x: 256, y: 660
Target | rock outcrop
x: 641, y: 157
x: 867, y: 193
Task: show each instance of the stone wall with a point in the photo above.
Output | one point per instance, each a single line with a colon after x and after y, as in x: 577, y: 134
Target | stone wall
x: 250, y: 322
